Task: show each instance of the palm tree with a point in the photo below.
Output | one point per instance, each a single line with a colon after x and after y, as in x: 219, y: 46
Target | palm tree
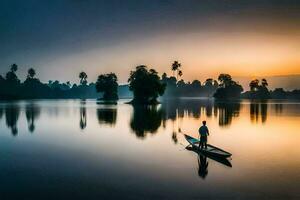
x: 176, y: 68
x: 83, y: 76
x: 31, y: 73
x: 180, y: 73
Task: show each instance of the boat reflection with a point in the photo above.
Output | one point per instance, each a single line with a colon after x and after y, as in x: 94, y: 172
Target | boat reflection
x: 203, y: 161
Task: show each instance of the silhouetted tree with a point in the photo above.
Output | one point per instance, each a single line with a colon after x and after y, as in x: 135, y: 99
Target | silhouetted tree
x: 225, y: 80
x: 279, y: 93
x: 264, y: 82
x: 146, y: 85
x: 83, y: 78
x: 209, y: 82
x: 10, y: 86
x: 14, y: 68
x: 68, y: 84
x: 228, y: 88
x: 196, y: 84
x: 31, y: 73
x: 210, y: 86
x: 216, y: 84
x: 107, y: 83
x: 11, y: 75
x: 259, y: 91
x: 254, y: 84
x: 170, y: 83
x: 196, y: 87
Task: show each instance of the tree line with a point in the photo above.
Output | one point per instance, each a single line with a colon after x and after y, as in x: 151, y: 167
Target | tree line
x: 145, y: 86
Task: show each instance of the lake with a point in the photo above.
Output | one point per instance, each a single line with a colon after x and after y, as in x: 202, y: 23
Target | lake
x: 79, y: 149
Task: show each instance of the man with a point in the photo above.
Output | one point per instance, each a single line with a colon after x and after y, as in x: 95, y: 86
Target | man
x: 203, y: 132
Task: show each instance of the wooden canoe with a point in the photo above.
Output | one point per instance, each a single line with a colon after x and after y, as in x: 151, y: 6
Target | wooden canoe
x: 211, y: 150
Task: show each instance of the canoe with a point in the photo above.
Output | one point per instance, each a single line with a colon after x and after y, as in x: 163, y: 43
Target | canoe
x: 222, y: 160
x: 211, y: 150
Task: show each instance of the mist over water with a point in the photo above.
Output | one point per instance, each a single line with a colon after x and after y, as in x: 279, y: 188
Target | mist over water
x: 80, y: 148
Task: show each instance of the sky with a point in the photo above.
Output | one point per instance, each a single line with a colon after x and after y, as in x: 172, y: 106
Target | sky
x: 60, y: 38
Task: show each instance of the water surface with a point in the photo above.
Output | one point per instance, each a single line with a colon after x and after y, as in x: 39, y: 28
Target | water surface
x: 81, y: 149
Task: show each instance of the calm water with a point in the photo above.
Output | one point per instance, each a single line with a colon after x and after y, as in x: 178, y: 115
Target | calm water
x: 80, y: 149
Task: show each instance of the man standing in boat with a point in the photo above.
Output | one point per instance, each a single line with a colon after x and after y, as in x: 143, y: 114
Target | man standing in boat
x: 203, y: 132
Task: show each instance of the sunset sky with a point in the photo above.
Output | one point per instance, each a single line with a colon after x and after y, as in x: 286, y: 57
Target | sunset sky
x: 60, y: 38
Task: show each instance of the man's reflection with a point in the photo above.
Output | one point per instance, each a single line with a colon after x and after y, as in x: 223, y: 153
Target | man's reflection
x: 202, y: 166
x: 202, y: 161
x: 174, y: 137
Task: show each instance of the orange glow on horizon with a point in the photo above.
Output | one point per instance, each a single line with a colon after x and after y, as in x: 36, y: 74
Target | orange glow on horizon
x: 203, y: 55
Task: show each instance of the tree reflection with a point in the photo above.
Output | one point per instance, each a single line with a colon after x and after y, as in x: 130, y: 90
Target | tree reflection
x: 278, y: 108
x: 227, y: 111
x: 254, y: 112
x: 264, y: 111
x: 176, y: 110
x: 1, y: 112
x: 145, y: 119
x: 12, y: 112
x: 107, y: 116
x: 258, y: 109
x: 32, y: 112
x: 83, y: 118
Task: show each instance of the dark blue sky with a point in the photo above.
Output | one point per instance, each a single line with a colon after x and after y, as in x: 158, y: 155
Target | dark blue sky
x: 38, y: 32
